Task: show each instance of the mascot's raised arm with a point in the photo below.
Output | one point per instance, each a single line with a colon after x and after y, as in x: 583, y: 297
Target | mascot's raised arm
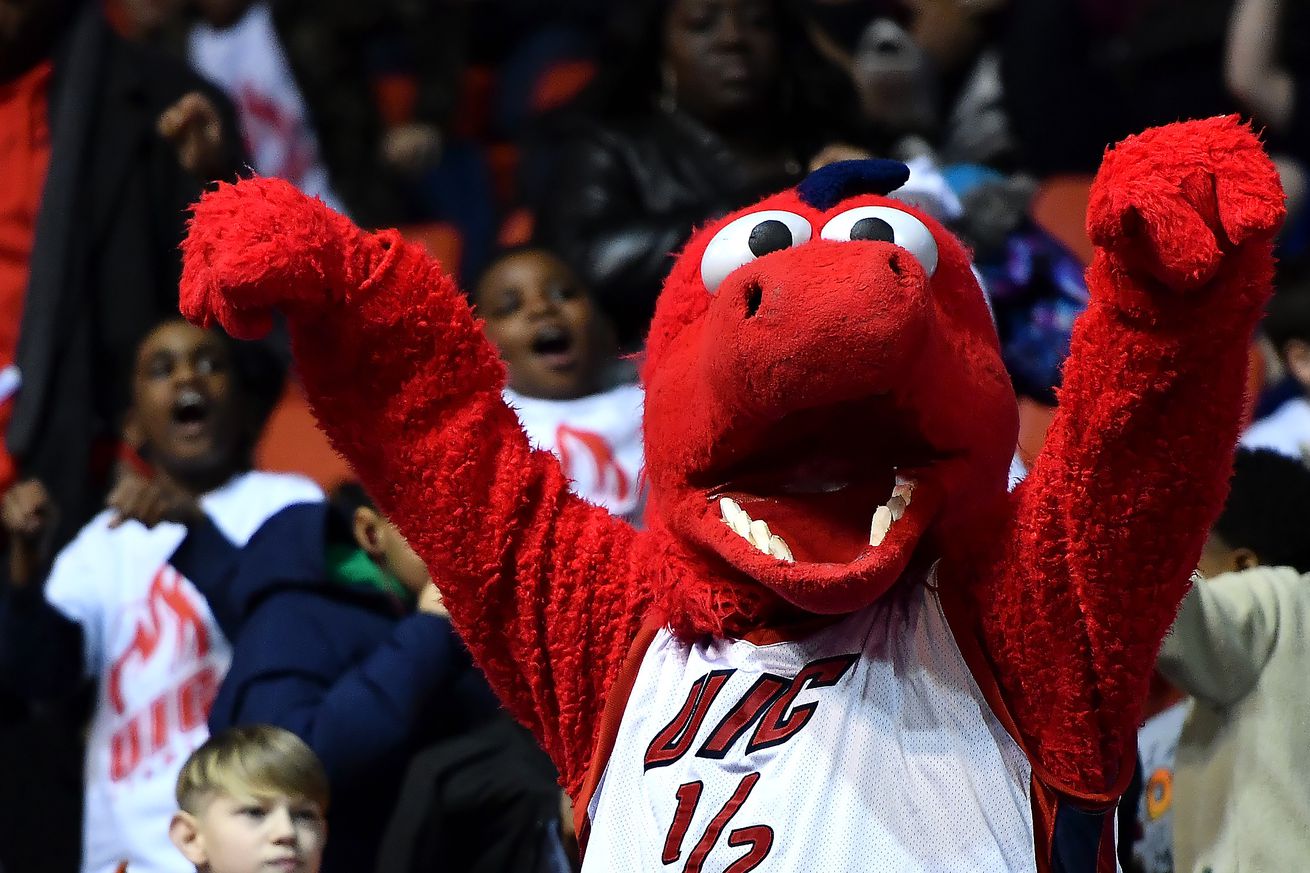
x: 841, y: 644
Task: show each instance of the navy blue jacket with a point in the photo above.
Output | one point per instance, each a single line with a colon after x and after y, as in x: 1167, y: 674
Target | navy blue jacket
x: 363, y: 680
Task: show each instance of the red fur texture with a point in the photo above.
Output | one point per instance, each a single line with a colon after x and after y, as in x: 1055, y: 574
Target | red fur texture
x: 801, y: 386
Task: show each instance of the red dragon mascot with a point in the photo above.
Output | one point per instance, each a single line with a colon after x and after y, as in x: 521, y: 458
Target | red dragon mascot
x: 841, y: 644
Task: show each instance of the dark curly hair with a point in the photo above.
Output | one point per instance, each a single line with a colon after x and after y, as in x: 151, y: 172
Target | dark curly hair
x: 1268, y: 509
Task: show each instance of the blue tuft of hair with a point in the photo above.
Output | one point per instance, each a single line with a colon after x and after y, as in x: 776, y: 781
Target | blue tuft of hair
x: 830, y: 185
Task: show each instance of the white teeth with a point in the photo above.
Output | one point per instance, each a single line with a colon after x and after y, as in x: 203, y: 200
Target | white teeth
x: 754, y: 531
x: 779, y: 549
x: 735, y: 517
x: 893, y: 511
x: 882, y: 522
x: 757, y: 533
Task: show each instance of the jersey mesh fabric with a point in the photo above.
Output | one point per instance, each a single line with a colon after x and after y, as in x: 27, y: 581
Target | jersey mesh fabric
x: 900, y: 766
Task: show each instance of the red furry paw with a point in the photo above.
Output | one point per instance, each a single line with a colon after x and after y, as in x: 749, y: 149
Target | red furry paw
x: 1175, y: 200
x: 261, y: 245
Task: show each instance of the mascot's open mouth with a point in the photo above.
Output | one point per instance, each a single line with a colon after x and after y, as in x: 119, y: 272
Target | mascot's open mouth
x: 832, y: 489
x: 757, y: 532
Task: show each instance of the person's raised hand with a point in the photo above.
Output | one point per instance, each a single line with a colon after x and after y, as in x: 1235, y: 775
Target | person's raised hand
x: 411, y: 147
x: 430, y: 601
x: 151, y: 501
x: 28, y: 515
x: 194, y: 127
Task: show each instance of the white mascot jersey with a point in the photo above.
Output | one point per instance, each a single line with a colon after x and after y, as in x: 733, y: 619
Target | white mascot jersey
x: 866, y: 746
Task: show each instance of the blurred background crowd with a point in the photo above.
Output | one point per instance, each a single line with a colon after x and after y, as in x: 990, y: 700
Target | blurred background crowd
x: 553, y: 155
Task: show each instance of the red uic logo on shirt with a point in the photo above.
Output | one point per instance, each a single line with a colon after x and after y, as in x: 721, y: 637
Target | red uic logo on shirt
x: 184, y: 706
x: 769, y: 707
x: 610, y: 477
x: 263, y: 120
x: 167, y: 605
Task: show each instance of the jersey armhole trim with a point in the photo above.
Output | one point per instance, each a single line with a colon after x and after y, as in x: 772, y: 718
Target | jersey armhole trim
x: 1048, y: 794
x: 611, y: 719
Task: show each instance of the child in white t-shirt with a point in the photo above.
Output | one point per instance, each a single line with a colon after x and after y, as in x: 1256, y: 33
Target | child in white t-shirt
x: 113, y: 609
x: 563, y: 375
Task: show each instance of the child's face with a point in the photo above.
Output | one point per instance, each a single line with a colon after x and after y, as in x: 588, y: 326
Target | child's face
x: 386, y: 545
x: 186, y: 417
x: 403, y: 562
x: 248, y: 835
x: 542, y: 321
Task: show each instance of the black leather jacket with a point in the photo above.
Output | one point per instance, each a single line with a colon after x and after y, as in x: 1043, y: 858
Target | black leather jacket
x: 625, y: 196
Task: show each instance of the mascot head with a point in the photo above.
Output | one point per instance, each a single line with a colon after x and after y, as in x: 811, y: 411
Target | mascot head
x: 825, y: 395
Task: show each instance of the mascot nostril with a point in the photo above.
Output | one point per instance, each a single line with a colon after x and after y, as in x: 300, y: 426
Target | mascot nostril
x: 894, y: 264
x: 835, y: 593
x: 754, y: 296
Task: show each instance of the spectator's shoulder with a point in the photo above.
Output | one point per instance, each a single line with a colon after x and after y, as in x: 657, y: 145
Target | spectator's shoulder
x: 284, y: 488
x: 242, y: 506
x: 1268, y: 589
x: 604, y: 141
x: 1285, y: 582
x: 292, y: 487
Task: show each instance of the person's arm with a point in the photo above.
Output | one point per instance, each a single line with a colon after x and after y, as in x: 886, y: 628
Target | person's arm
x: 547, y: 590
x: 1224, y: 634
x: 358, y: 719
x: 1106, y: 529
x: 28, y: 516
x: 1252, y: 70
x: 42, y: 650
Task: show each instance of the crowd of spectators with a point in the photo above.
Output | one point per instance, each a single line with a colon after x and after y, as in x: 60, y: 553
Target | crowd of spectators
x: 159, y: 585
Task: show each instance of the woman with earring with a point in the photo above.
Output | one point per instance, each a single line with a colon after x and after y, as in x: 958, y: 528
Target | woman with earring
x: 706, y: 106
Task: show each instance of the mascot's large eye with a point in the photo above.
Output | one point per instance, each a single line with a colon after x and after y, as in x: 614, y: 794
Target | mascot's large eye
x: 888, y: 225
x: 750, y: 237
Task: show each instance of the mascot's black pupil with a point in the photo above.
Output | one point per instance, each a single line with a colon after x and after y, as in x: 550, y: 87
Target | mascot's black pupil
x: 874, y: 230
x: 769, y: 236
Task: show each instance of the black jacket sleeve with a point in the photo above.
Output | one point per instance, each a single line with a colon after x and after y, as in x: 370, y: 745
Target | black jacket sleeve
x: 41, y: 650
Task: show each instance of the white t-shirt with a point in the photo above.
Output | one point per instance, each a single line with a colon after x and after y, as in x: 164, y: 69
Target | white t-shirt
x: 247, y: 61
x: 158, y: 655
x: 866, y: 746
x: 597, y: 439
x: 1286, y: 430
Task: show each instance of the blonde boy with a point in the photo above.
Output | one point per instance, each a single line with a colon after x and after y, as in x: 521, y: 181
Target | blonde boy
x: 253, y: 799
